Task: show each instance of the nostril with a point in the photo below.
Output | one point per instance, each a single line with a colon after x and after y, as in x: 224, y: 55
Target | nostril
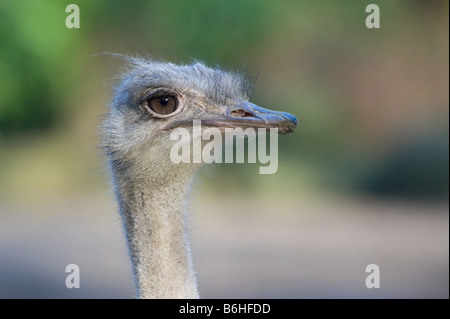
x: 241, y: 113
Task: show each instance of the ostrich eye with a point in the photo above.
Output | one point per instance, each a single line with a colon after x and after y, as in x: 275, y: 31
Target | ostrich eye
x: 163, y: 105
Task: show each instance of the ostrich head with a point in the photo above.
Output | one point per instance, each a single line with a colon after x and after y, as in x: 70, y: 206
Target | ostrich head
x: 154, y: 98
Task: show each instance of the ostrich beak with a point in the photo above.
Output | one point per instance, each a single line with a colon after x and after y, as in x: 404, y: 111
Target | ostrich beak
x: 245, y: 115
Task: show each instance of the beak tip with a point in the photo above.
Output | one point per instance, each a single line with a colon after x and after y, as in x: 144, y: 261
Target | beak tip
x: 290, y: 124
x: 293, y: 119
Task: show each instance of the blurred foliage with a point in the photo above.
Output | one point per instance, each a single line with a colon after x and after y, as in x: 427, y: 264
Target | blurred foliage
x: 373, y: 103
x: 34, y: 74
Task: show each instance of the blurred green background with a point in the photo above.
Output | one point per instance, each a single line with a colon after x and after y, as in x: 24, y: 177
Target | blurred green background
x: 374, y: 103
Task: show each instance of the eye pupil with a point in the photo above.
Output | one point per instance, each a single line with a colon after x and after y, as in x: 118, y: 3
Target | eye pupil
x: 164, y: 101
x: 163, y: 105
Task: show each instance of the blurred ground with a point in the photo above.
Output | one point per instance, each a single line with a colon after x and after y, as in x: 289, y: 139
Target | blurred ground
x: 260, y: 248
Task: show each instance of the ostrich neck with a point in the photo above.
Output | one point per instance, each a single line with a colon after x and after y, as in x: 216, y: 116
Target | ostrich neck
x: 153, y: 210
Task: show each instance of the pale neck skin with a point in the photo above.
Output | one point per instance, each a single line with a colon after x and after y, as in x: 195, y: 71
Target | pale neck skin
x: 153, y: 209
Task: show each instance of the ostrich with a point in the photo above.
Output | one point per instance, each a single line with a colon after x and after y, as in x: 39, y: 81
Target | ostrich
x: 152, y: 99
